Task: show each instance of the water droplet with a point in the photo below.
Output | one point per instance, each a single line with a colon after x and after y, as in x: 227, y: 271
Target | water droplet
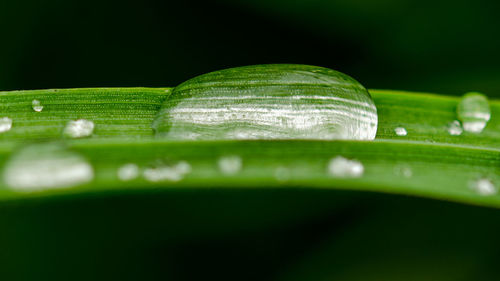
x: 167, y: 172
x: 474, y: 112
x: 128, y: 172
x: 400, y: 131
x: 269, y: 102
x: 454, y: 128
x: 79, y: 128
x: 46, y: 166
x: 484, y: 187
x: 282, y: 174
x: 5, y: 124
x: 403, y: 170
x: 346, y: 168
x: 230, y: 165
x: 37, y: 105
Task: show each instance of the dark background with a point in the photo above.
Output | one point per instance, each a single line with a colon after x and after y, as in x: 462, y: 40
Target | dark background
x: 448, y: 47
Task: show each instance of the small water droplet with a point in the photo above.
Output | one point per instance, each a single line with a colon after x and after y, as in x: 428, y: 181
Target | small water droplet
x: 37, y: 105
x: 269, y: 102
x: 5, y: 124
x: 79, y: 128
x: 484, y: 187
x: 400, y: 131
x: 474, y: 112
x: 282, y: 174
x: 128, y: 172
x: 454, y: 128
x: 46, y: 166
x: 403, y: 170
x: 346, y: 168
x: 167, y: 172
x: 230, y: 165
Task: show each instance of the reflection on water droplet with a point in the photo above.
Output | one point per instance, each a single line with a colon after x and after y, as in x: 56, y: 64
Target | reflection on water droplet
x: 167, y: 172
x: 46, y: 166
x: 37, y: 105
x: 400, y: 131
x: 79, y: 128
x: 474, y: 112
x: 5, y: 124
x: 403, y: 170
x: 454, y: 128
x: 128, y: 172
x: 230, y: 165
x: 346, y: 168
x: 282, y: 174
x: 484, y: 187
x: 269, y: 102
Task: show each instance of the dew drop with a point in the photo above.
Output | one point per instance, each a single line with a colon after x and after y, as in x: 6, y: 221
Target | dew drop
x: 5, y: 124
x: 345, y: 168
x: 474, y: 112
x: 454, y: 128
x: 484, y: 187
x: 403, y: 170
x: 400, y: 131
x: 79, y: 128
x: 269, y: 102
x: 128, y: 172
x: 46, y: 166
x: 230, y: 165
x: 37, y: 105
x: 282, y: 174
x: 172, y: 173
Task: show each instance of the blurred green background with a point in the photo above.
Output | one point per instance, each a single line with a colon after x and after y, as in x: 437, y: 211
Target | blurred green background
x: 440, y: 46
x: 448, y: 47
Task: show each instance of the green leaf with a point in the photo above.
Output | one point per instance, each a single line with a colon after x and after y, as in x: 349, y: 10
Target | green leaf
x: 442, y: 166
x: 115, y: 111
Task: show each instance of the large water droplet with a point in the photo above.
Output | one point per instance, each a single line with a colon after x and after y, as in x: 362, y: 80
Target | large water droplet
x: 474, y: 112
x: 345, y: 168
x: 269, y: 102
x: 37, y: 105
x: 484, y: 187
x: 79, y: 128
x: 5, y: 124
x: 46, y: 166
x: 230, y: 165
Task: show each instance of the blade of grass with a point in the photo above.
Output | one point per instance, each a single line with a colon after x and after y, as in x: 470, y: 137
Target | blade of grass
x: 439, y: 171
x: 441, y: 166
x: 115, y: 111
x: 129, y: 112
